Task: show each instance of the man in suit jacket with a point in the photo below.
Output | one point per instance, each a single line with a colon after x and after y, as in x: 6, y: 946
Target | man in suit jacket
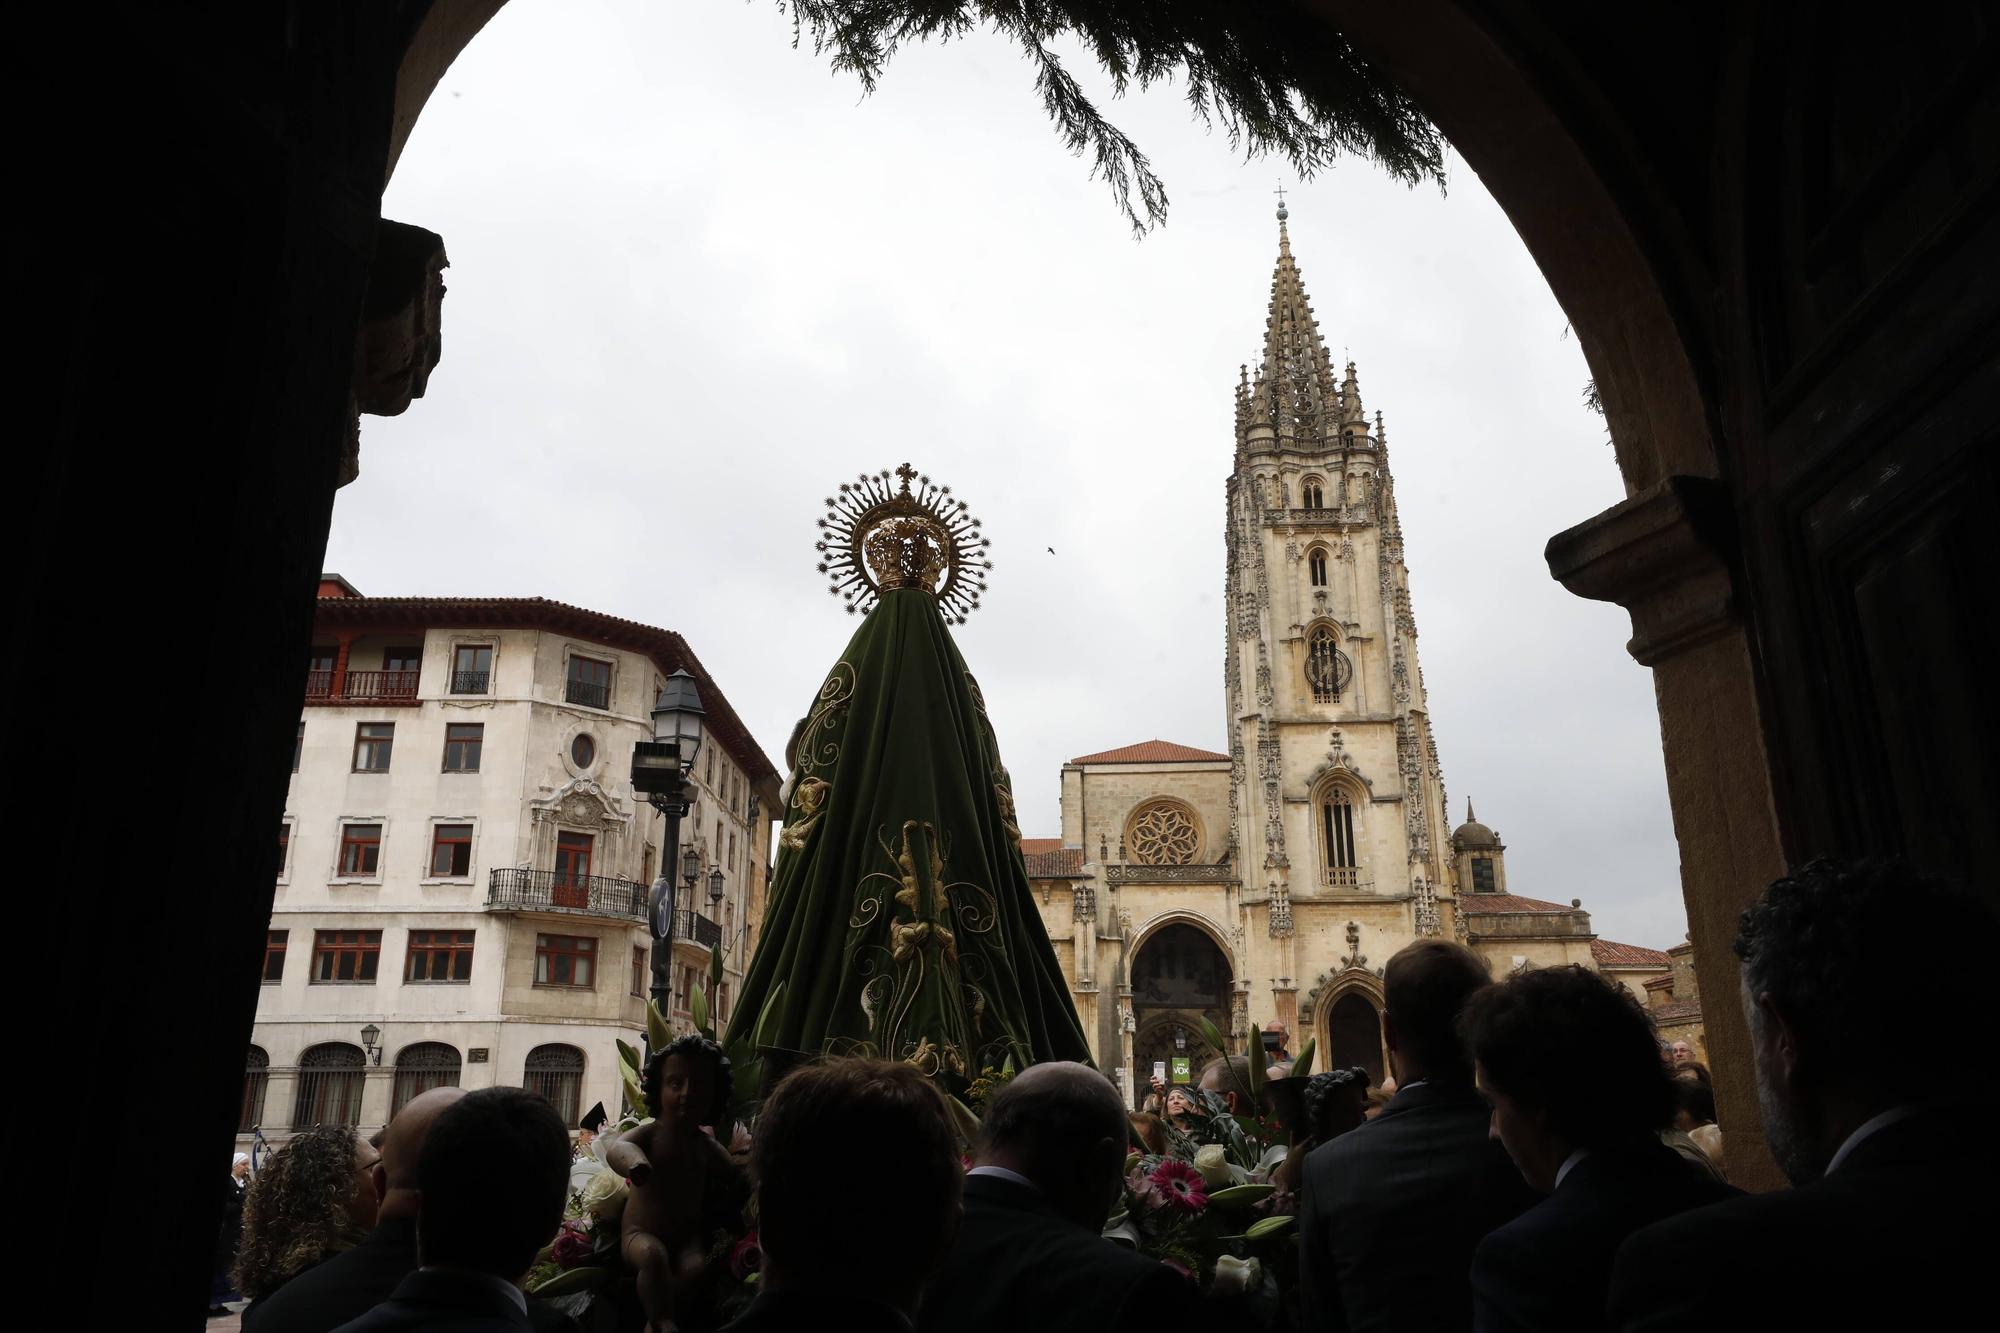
x: 492, y: 1178
x: 355, y: 1281
x: 1568, y: 1061
x: 1031, y: 1253
x: 1389, y: 1212
x: 1876, y: 1232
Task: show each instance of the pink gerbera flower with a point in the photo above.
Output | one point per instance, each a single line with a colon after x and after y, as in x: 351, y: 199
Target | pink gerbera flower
x: 1181, y: 1185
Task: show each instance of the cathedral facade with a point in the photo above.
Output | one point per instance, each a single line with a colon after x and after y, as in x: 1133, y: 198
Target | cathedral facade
x: 1264, y: 887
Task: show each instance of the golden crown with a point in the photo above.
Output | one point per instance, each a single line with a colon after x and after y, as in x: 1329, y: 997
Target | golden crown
x: 877, y: 537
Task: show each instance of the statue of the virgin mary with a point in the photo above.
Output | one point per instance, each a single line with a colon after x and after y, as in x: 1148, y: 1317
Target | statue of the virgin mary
x: 900, y: 922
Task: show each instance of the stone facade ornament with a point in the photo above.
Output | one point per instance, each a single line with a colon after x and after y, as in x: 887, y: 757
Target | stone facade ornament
x: 1355, y: 958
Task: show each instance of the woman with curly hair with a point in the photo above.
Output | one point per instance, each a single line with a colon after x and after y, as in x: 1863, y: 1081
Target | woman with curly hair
x: 313, y: 1200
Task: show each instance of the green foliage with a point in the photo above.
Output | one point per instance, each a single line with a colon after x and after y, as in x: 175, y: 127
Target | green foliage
x: 773, y: 1015
x: 658, y: 1034
x: 1278, y: 78
x: 715, y: 967
x: 1303, y: 1066
x: 698, y: 1010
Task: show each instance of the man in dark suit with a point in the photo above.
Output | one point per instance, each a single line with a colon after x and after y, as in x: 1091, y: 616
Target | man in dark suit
x: 1031, y: 1253
x: 1389, y: 1212
x: 1569, y: 1063
x: 1889, y: 1175
x: 355, y: 1281
x: 492, y: 1178
x: 858, y: 1182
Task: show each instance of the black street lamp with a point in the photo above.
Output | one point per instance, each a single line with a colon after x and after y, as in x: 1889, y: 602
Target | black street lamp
x: 715, y: 903
x: 660, y: 769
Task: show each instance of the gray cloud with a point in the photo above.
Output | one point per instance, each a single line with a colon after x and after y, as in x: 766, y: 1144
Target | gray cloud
x: 697, y: 280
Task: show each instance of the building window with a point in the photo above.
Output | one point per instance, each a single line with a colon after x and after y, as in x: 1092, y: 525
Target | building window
x: 462, y: 742
x: 646, y: 864
x: 1164, y: 833
x: 360, y: 850
x: 372, y: 742
x: 556, y: 1074
x: 330, y: 1079
x: 256, y: 1077
x: 565, y: 960
x: 299, y: 746
x: 572, y: 882
x: 274, y: 954
x: 421, y: 1067
x: 403, y: 659
x: 1336, y: 817
x: 589, y: 682
x: 583, y: 751
x: 1327, y: 668
x: 1482, y: 874
x: 345, y: 955
x: 639, y: 969
x: 1313, y: 493
x: 472, y: 668
x: 439, y: 955
x: 319, y: 672
x: 1316, y: 563
x: 710, y: 779
x: 451, y: 851
x: 721, y: 1003
x: 284, y: 846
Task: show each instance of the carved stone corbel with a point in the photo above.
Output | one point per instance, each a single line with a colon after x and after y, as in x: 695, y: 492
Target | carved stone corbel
x: 1666, y: 555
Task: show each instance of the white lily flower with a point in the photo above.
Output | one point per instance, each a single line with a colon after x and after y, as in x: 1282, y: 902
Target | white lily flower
x: 1235, y: 1276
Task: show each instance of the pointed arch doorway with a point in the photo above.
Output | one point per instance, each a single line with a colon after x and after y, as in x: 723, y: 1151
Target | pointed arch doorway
x: 1179, y: 976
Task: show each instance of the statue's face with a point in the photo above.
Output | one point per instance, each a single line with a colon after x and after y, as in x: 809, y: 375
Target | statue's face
x: 687, y: 1088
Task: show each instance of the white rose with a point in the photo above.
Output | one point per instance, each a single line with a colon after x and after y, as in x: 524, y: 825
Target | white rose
x: 604, y: 1196
x: 1235, y: 1276
x: 1213, y: 1163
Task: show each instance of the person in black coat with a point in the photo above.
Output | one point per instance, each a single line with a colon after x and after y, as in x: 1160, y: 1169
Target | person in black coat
x: 1880, y: 1229
x: 1569, y: 1062
x: 1389, y: 1212
x: 492, y: 1178
x: 1030, y: 1253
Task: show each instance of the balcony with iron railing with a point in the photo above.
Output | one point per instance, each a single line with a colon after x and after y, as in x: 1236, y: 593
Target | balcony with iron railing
x: 361, y: 687
x: 691, y: 927
x: 591, y: 694
x: 511, y: 889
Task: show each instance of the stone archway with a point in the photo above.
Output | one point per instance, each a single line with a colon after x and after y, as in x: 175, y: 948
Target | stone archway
x: 1179, y: 975
x: 1353, y: 1027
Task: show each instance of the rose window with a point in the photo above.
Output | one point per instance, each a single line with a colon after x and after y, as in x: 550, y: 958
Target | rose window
x: 1165, y: 834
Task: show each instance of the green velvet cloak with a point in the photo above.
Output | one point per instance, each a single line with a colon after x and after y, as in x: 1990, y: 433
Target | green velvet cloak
x: 900, y: 921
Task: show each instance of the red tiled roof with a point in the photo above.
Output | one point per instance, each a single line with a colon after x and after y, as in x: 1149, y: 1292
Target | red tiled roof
x: 1483, y: 903
x: 1610, y: 953
x: 1675, y: 1011
x: 1152, y: 752
x: 667, y: 649
x: 1685, y: 946
x: 1047, y: 858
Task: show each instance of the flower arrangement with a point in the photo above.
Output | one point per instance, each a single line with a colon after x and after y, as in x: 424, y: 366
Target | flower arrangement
x: 1207, y: 1207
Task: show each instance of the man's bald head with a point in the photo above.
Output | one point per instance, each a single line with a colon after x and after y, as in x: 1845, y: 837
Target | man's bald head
x: 403, y: 1143
x: 1063, y: 1126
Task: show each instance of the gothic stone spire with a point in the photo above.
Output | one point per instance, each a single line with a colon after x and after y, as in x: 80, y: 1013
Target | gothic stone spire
x: 1295, y: 393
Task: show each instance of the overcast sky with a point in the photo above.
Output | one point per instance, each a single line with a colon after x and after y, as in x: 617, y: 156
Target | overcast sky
x: 697, y: 279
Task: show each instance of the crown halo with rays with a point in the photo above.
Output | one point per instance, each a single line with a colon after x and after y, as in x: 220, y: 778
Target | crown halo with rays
x: 877, y: 536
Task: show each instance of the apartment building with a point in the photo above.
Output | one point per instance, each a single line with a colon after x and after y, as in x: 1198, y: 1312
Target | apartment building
x: 463, y: 868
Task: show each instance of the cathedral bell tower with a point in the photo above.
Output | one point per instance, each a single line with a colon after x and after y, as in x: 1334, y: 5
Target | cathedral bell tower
x: 1337, y: 807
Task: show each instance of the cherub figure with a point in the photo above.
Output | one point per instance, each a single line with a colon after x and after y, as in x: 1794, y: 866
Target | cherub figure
x: 680, y: 1177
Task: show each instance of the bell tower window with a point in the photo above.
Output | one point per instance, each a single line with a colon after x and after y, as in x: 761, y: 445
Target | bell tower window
x: 1327, y: 668
x: 1336, y: 816
x: 1316, y: 564
x: 1312, y: 493
x: 1482, y: 874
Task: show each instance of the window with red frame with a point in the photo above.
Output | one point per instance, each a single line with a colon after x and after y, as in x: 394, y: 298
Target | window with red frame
x: 345, y: 955
x: 274, y: 954
x: 360, y: 849
x: 284, y: 846
x: 439, y: 955
x: 566, y: 960
x: 572, y: 882
x: 589, y: 683
x: 451, y: 851
x: 638, y: 970
x: 462, y: 744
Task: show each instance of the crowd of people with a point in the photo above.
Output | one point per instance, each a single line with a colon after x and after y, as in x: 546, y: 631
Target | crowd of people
x: 1537, y: 1165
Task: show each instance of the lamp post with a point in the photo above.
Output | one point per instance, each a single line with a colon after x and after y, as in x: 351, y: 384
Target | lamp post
x: 660, y: 769
x: 370, y: 1036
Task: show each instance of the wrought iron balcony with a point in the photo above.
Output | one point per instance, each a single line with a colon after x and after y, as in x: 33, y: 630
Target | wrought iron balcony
x: 470, y: 682
x: 591, y: 694
x: 361, y: 687
x: 693, y: 927
x: 509, y: 889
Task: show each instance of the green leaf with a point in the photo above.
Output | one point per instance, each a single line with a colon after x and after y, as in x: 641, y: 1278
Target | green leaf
x: 1269, y: 1226
x: 715, y: 966
x: 1303, y: 1066
x: 1212, y: 1035
x: 1254, y: 1065
x: 774, y: 1013
x: 574, y: 1279
x: 1240, y: 1196
x: 962, y: 1117
x: 698, y: 1008
x: 634, y: 1092
x: 745, y: 1076
x: 657, y: 1030
x: 626, y: 1054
